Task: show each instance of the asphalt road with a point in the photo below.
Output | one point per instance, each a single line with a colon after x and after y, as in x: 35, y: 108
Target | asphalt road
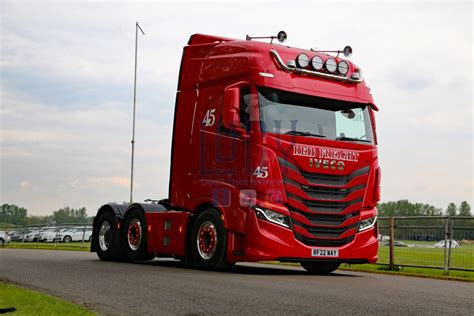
x: 163, y: 287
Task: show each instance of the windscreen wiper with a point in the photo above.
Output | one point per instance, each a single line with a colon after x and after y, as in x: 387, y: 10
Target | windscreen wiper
x: 352, y: 139
x: 299, y: 133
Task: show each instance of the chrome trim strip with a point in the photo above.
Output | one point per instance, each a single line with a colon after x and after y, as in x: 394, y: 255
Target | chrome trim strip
x: 312, y: 73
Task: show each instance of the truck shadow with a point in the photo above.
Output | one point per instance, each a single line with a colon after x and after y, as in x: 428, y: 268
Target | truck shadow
x: 248, y: 269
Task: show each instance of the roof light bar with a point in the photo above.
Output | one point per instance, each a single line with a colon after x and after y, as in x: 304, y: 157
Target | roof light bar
x: 352, y: 79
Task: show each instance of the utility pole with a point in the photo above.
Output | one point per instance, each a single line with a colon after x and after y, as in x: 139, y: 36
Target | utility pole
x: 137, y: 27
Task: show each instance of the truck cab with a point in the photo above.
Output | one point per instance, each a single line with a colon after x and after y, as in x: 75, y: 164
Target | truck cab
x: 274, y: 157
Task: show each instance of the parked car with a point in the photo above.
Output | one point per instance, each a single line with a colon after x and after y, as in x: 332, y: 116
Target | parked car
x: 4, y: 238
x: 31, y: 235
x: 440, y: 244
x: 50, y: 234
x: 16, y: 235
x: 75, y: 234
x: 396, y: 243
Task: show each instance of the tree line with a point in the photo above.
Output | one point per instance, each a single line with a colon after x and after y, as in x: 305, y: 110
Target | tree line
x: 407, y: 208
x: 17, y: 215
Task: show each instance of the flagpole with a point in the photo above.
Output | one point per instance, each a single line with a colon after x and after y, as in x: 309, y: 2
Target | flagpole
x: 137, y: 27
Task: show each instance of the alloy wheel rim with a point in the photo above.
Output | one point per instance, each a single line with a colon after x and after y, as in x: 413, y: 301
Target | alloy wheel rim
x: 207, y: 240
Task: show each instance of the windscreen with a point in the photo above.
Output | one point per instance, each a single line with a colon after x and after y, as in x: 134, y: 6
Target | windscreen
x: 289, y: 113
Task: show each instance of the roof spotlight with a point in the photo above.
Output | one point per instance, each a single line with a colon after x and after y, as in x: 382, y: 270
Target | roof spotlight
x: 330, y: 65
x: 343, y: 67
x: 347, y: 51
x: 317, y: 62
x: 302, y: 60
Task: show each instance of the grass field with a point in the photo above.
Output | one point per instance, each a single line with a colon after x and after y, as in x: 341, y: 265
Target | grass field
x: 422, y: 255
x: 28, y: 302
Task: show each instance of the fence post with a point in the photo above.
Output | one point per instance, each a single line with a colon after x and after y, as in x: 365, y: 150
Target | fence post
x: 83, y: 235
x: 450, y: 233
x: 392, y: 243
x: 446, y: 233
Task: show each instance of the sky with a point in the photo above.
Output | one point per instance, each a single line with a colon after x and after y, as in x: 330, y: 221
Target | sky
x: 66, y: 82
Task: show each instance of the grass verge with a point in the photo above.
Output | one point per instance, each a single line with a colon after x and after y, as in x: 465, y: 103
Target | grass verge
x: 28, y: 302
x: 465, y: 276
x: 76, y: 246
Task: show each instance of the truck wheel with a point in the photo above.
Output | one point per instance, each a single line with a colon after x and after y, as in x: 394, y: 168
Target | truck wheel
x: 67, y: 239
x: 319, y: 267
x: 107, y: 241
x: 134, y: 237
x: 208, y: 241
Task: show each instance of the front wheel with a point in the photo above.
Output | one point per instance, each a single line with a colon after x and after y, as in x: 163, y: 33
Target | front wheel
x: 67, y: 239
x: 319, y: 267
x: 208, y: 241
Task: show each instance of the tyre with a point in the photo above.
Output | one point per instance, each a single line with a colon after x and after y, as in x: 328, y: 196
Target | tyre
x: 208, y: 241
x: 2, y: 242
x: 134, y: 237
x: 90, y: 238
x: 107, y: 243
x: 314, y: 267
x: 67, y: 239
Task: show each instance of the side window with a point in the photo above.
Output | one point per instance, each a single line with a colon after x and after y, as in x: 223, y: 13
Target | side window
x: 245, y: 108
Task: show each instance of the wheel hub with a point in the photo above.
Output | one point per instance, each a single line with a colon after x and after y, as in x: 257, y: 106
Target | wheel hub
x: 104, y: 236
x: 207, y: 240
x: 134, y: 234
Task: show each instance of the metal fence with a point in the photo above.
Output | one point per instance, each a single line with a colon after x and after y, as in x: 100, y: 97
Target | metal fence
x: 441, y: 242
x: 62, y: 236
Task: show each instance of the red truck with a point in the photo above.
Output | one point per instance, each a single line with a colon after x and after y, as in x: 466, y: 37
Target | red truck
x: 274, y: 157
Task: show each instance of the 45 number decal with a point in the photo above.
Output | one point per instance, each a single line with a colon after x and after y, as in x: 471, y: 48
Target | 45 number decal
x: 261, y: 172
x: 209, y: 118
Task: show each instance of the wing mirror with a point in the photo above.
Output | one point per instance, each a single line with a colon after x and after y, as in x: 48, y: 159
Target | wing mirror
x: 231, y: 110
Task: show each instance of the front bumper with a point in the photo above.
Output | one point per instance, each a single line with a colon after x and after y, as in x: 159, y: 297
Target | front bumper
x: 267, y: 241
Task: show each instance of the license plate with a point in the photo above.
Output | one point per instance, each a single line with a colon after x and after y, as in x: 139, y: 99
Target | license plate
x: 316, y: 252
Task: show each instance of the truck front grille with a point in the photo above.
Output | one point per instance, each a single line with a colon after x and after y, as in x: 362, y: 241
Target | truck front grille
x: 324, y: 208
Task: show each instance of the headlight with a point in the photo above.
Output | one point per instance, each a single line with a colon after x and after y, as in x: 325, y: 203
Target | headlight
x: 343, y: 68
x: 331, y: 65
x: 317, y: 63
x: 302, y: 60
x: 367, y: 223
x: 274, y: 217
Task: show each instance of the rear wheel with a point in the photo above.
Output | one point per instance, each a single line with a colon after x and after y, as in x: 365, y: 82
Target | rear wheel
x: 107, y: 240
x: 134, y: 237
x: 208, y: 241
x: 67, y: 239
x: 319, y: 267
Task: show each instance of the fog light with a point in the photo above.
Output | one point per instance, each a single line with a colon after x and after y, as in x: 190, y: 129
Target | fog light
x: 367, y: 223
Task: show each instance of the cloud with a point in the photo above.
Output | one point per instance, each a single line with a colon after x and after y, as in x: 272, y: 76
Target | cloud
x: 67, y: 89
x: 119, y: 181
